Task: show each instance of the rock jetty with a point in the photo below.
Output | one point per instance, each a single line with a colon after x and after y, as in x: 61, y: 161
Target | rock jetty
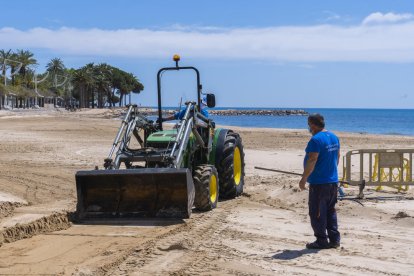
x: 241, y: 112
x: 259, y: 112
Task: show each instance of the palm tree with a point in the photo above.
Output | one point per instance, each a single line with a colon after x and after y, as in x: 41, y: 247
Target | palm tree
x: 26, y: 59
x: 102, y: 75
x: 28, y: 78
x: 55, y: 67
x: 90, y: 90
x: 14, y: 67
x: 3, y: 56
x: 82, y: 81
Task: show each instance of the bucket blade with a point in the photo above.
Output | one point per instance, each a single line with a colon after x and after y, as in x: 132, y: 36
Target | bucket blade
x: 150, y: 192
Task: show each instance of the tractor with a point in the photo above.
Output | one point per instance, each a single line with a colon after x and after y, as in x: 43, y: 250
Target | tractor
x: 155, y: 172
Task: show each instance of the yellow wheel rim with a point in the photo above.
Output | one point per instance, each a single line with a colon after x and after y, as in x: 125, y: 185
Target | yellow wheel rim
x: 237, y: 166
x: 213, y: 188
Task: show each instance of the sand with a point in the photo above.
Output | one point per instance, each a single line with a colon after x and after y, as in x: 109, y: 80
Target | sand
x: 262, y: 232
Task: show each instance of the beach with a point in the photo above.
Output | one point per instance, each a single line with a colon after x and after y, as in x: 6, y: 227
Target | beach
x: 262, y: 232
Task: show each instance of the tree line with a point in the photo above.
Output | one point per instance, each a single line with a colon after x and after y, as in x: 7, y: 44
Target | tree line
x: 93, y: 85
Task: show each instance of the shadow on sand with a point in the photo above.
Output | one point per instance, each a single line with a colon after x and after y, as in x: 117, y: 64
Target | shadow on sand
x: 293, y: 254
x: 131, y: 222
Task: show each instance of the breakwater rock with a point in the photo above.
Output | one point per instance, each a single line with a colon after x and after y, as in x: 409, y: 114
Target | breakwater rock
x: 240, y: 112
x: 259, y: 112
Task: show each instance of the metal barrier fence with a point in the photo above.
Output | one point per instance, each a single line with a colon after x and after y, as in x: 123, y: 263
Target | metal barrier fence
x: 376, y: 167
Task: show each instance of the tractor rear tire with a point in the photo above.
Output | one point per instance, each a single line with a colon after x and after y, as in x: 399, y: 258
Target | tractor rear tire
x: 231, y: 166
x: 206, y: 186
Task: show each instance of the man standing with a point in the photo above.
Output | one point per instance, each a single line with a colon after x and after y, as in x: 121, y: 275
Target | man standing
x: 180, y: 114
x: 321, y: 172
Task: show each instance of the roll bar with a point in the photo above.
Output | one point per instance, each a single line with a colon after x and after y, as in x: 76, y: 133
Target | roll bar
x: 176, y: 68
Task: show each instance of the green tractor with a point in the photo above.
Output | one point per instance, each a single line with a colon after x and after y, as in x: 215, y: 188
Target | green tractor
x: 152, y: 172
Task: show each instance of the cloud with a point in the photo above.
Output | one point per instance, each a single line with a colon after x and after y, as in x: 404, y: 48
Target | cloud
x: 381, y: 18
x: 305, y: 44
x: 179, y: 27
x: 331, y: 16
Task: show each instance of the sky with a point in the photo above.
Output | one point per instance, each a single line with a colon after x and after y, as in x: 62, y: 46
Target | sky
x: 299, y: 54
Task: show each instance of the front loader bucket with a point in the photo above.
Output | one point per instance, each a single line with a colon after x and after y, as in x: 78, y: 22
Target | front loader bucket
x: 149, y: 192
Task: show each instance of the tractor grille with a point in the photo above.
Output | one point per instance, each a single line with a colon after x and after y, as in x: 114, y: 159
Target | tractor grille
x: 158, y: 145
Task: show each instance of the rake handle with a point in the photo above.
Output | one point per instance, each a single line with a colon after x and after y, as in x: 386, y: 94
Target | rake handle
x: 286, y: 172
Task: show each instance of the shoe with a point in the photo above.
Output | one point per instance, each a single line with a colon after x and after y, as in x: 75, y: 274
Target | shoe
x: 317, y: 245
x: 334, y: 244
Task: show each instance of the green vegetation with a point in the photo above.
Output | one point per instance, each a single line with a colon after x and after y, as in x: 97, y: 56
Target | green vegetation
x: 93, y: 85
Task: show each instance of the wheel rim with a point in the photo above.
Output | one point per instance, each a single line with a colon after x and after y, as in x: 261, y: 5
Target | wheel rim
x: 213, y: 188
x: 237, y: 166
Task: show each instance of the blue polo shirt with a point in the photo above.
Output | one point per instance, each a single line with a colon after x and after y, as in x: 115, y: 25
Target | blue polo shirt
x: 326, y: 169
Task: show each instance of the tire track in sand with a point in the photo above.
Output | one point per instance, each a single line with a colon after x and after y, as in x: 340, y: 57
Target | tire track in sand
x: 185, y: 250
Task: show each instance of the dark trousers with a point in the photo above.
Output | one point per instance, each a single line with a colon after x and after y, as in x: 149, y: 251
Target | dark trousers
x: 322, y: 200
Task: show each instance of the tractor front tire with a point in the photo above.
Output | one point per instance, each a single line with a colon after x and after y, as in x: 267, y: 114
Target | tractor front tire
x: 206, y: 187
x: 231, y: 166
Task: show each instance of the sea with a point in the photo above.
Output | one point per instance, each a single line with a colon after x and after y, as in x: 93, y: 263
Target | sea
x: 375, y: 121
